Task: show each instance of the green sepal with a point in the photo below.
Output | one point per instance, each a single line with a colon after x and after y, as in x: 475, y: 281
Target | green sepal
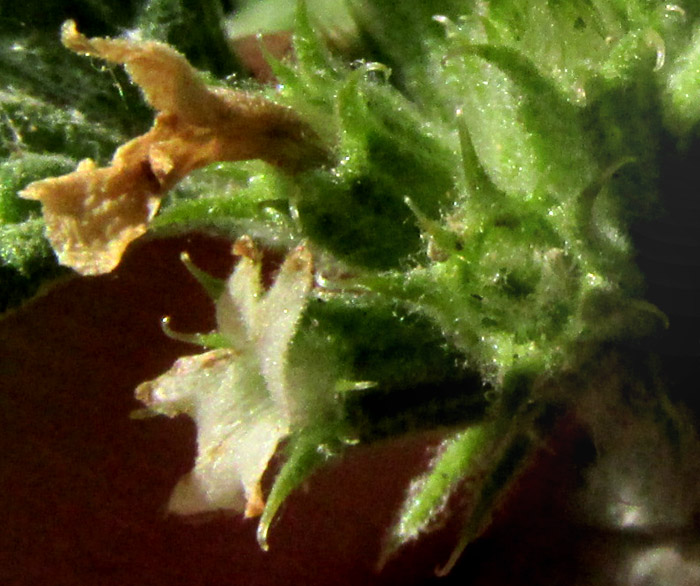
x: 428, y: 496
x: 210, y: 341
x: 213, y: 286
x: 358, y: 211
x: 309, y: 85
x: 380, y: 413
x: 405, y: 37
x: 681, y: 96
x: 315, y: 61
x: 635, y: 52
x: 477, y: 183
x: 231, y: 199
x: 493, y: 488
x: 381, y: 341
x: 528, y: 136
x: 307, y: 451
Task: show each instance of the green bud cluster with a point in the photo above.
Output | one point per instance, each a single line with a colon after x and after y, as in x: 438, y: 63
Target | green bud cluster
x: 485, y: 164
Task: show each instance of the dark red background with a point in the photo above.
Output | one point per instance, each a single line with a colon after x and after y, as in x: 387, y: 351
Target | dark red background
x: 83, y: 487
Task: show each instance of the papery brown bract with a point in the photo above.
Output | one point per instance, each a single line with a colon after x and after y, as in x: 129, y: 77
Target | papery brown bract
x: 92, y: 214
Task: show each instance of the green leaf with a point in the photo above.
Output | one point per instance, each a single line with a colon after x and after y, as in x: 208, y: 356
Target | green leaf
x: 54, y: 100
x: 195, y: 28
x: 26, y: 259
x: 16, y: 173
x: 26, y: 262
x: 314, y: 59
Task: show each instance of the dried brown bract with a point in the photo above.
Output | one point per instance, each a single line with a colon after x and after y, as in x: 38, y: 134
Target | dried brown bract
x: 93, y: 213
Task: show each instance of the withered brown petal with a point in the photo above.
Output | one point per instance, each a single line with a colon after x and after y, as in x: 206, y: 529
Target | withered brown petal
x: 94, y: 213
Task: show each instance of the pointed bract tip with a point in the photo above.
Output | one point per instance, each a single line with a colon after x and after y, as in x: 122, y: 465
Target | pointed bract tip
x: 300, y: 259
x: 246, y: 248
x: 256, y: 503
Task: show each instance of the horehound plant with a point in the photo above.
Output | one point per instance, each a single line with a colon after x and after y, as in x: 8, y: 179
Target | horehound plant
x: 452, y: 186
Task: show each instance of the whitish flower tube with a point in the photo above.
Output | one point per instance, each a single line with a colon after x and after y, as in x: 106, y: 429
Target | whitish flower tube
x: 239, y: 396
